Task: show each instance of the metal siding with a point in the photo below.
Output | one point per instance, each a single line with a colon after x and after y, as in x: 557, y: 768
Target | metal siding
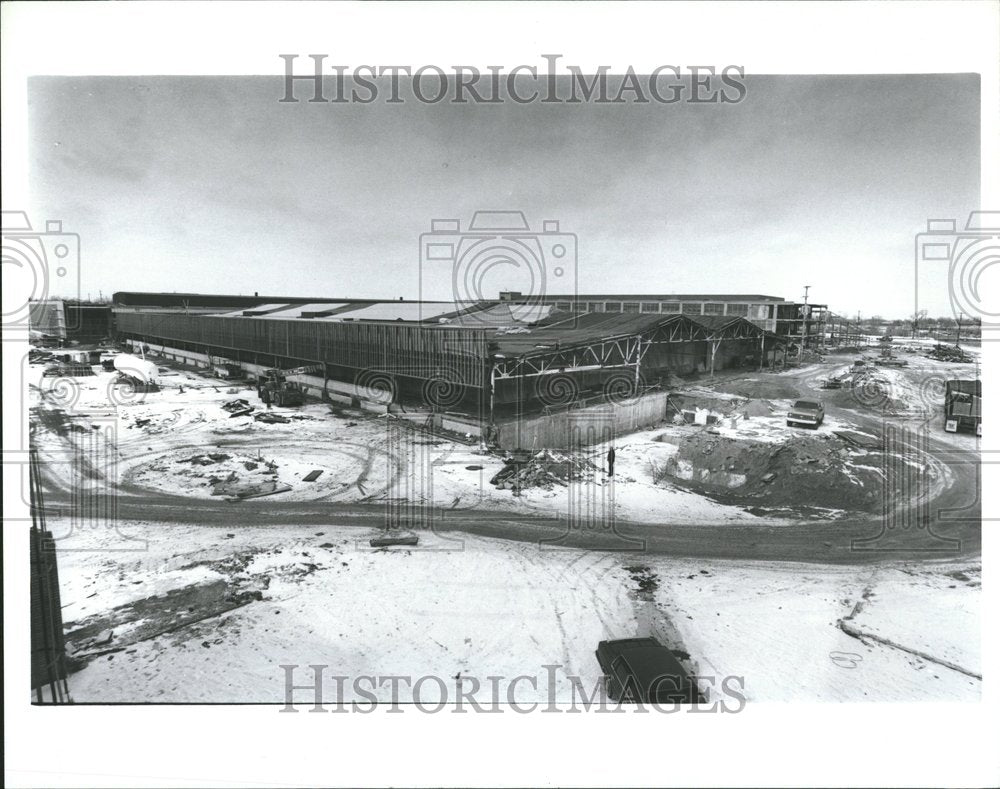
x: 416, y: 351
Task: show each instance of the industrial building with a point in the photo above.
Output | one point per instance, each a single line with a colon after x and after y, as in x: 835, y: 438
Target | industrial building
x: 772, y: 313
x: 487, y: 360
x: 61, y: 320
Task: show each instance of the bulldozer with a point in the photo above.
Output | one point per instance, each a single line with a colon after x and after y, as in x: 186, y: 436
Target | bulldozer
x: 274, y: 389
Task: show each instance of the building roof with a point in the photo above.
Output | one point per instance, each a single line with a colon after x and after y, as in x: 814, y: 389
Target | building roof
x: 650, y: 297
x: 411, y: 311
x: 470, y: 315
x: 716, y: 322
x: 564, y: 330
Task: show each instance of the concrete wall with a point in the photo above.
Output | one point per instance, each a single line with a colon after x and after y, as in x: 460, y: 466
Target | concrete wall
x: 581, y: 427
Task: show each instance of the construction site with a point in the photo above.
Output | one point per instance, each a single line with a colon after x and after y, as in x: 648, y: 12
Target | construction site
x: 270, y: 469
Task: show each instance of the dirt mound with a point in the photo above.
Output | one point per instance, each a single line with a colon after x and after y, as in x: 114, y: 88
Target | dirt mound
x: 759, y: 408
x: 822, y: 472
x: 870, y: 389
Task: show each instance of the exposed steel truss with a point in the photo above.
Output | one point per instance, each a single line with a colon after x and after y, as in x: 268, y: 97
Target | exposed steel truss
x: 626, y: 351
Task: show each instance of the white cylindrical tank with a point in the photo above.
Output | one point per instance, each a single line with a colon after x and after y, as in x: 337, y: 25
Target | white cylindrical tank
x: 139, y: 369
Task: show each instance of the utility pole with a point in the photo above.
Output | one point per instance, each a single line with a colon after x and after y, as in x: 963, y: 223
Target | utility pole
x: 805, y: 317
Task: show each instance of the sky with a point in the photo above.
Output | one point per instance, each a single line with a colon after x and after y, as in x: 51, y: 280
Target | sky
x: 210, y: 184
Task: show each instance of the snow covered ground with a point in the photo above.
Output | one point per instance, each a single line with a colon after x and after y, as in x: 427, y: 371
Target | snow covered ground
x: 477, y: 607
x: 158, y: 433
x: 470, y: 606
x: 778, y: 625
x: 205, y: 614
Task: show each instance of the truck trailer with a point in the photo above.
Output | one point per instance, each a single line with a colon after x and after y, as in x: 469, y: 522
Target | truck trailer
x: 963, y: 407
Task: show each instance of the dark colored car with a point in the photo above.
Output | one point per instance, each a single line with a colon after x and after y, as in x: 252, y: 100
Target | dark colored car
x: 643, y: 670
x: 805, y: 413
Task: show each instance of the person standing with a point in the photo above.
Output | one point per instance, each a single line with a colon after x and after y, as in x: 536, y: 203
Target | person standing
x: 611, y: 461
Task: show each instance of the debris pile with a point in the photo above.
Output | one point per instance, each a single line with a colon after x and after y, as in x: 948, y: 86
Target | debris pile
x: 888, y: 359
x: 67, y: 370
x: 949, y: 353
x: 209, y: 459
x: 394, y: 536
x: 542, y: 470
x: 269, y: 417
x: 237, y: 407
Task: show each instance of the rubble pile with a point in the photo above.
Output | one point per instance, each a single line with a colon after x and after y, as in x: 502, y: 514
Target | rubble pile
x: 949, y: 353
x: 206, y: 460
x: 270, y: 418
x: 237, y: 407
x: 542, y: 470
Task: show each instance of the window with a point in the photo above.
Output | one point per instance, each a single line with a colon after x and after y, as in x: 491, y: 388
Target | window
x: 630, y: 306
x: 713, y: 309
x: 595, y: 306
x: 650, y: 306
x: 613, y: 306
x: 737, y: 309
x: 691, y: 308
x: 670, y: 306
x: 564, y: 306
x: 760, y: 311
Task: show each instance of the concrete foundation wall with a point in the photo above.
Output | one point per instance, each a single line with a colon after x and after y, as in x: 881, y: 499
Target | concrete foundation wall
x: 581, y: 427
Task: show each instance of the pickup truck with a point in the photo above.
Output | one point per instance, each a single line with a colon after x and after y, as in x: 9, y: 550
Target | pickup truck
x: 805, y: 413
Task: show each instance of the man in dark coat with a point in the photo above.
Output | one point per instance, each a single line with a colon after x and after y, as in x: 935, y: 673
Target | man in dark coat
x: 611, y: 462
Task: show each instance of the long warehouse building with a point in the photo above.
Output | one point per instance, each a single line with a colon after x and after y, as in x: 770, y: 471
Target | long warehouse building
x: 488, y: 360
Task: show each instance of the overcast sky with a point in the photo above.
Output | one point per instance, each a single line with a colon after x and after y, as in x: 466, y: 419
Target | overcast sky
x: 211, y: 185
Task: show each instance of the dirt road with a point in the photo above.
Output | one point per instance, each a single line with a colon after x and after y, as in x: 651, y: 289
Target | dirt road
x: 940, y: 522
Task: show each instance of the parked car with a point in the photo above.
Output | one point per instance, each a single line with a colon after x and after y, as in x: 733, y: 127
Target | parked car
x: 643, y: 670
x: 805, y: 413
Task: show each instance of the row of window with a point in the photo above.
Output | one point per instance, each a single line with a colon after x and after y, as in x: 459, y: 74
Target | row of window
x: 758, y: 311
